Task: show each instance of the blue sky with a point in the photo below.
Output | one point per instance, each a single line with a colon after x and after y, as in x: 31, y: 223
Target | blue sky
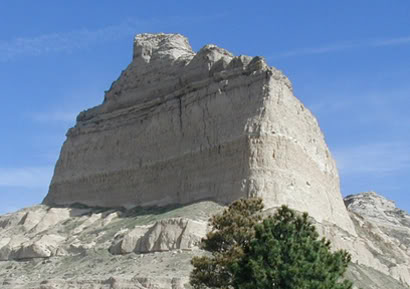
x: 349, y: 62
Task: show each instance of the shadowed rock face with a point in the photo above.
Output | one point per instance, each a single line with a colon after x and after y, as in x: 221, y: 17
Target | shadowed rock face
x: 178, y: 127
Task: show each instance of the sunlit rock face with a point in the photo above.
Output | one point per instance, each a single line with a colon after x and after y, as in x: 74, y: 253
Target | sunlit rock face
x: 384, y: 231
x: 178, y: 127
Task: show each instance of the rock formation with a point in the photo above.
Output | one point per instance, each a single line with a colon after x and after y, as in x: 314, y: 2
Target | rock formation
x: 179, y: 127
x: 179, y: 135
x: 84, y: 248
x: 385, y: 230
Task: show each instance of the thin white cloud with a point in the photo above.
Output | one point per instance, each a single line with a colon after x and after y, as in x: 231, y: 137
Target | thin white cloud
x: 375, y: 158
x: 55, y: 116
x: 343, y: 46
x: 363, y: 106
x: 27, y: 177
x: 74, y: 101
x: 319, y: 50
x: 83, y: 38
x: 391, y: 42
x: 69, y: 41
x: 329, y: 106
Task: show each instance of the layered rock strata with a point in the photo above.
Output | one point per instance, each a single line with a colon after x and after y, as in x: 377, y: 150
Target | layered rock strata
x: 178, y: 127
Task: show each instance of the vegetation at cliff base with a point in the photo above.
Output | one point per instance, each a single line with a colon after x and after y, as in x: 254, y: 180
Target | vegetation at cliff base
x: 280, y: 251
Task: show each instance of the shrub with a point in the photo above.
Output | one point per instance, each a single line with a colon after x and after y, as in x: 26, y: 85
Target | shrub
x: 281, y: 251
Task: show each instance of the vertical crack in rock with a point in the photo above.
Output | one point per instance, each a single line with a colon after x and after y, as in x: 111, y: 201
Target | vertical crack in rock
x: 180, y: 115
x: 205, y: 114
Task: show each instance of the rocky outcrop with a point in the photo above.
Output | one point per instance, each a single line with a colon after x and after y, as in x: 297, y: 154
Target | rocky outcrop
x: 179, y: 127
x: 383, y: 213
x: 85, y: 248
x: 164, y: 235
x: 76, y: 231
x: 385, y: 231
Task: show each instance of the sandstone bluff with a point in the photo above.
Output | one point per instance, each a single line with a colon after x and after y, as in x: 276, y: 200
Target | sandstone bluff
x: 179, y: 135
x: 179, y: 127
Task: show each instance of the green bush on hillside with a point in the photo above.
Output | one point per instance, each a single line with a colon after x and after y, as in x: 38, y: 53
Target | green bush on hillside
x: 281, y: 251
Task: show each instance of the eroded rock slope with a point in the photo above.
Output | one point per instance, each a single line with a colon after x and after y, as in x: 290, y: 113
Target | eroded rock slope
x: 84, y: 248
x: 386, y: 232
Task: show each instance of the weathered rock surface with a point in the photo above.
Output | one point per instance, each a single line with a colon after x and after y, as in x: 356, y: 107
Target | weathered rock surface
x: 121, y: 232
x: 383, y: 213
x: 164, y: 235
x: 385, y: 231
x: 104, y: 248
x: 381, y: 243
x: 101, y: 248
x: 179, y: 127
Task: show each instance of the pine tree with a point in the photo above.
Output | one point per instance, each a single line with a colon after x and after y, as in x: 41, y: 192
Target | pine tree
x: 231, y: 233
x: 286, y: 253
x: 282, y: 251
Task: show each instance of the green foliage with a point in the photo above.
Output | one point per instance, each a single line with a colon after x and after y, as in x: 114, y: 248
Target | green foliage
x: 282, y: 251
x: 231, y: 233
x: 286, y: 253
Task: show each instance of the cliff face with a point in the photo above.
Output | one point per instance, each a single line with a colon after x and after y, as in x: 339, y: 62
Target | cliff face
x: 179, y: 127
x: 126, y: 203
